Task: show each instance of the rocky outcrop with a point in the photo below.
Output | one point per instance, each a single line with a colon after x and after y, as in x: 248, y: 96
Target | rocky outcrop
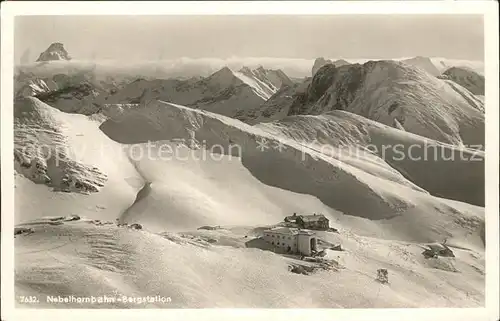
x: 423, y: 63
x: 398, y: 95
x: 73, y: 98
x: 72, y: 93
x: 55, y: 51
x: 466, y: 78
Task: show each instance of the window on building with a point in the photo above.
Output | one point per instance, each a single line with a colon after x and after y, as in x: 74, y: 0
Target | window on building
x: 272, y: 235
x: 272, y: 242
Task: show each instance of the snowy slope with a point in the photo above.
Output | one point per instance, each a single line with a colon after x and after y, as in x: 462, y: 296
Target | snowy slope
x: 65, y: 165
x: 333, y: 181
x: 62, y: 73
x: 277, y: 106
x: 130, y: 155
x: 443, y: 170
x: 396, y: 95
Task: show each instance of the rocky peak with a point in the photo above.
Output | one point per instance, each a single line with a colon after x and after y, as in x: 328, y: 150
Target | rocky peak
x: 55, y: 51
x: 224, y: 72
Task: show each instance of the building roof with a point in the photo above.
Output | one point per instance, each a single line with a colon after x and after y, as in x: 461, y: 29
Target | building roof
x: 283, y: 230
x: 312, y: 218
x: 288, y: 231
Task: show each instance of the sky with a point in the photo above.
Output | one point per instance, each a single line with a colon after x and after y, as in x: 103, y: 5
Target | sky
x: 305, y: 37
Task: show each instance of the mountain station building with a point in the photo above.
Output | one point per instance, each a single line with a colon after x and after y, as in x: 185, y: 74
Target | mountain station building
x: 292, y: 240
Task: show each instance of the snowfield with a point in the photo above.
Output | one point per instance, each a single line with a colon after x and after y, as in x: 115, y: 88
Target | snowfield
x: 240, y: 150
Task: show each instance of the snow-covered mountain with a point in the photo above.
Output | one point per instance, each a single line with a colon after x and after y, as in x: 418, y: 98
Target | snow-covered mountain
x: 225, y: 92
x: 466, y: 78
x: 442, y: 64
x: 43, y: 153
x: 423, y: 63
x: 184, y: 68
x: 397, y: 95
x: 273, y: 78
x: 55, y: 51
x: 35, y: 86
x: 73, y: 98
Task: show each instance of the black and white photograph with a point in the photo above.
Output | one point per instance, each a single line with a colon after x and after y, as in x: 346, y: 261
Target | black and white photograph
x: 286, y: 161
